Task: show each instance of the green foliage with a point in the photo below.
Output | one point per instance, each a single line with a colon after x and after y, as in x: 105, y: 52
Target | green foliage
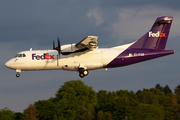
x: 31, y: 113
x: 76, y: 101
x: 46, y: 109
x: 76, y: 91
x: 19, y: 116
x: 159, y: 87
x: 167, y: 90
x: 55, y: 117
x: 72, y: 97
x: 178, y: 98
x: 177, y: 90
x: 118, y: 104
x: 6, y: 115
x: 148, y: 112
x: 84, y: 112
x: 149, y: 96
x: 171, y: 107
x: 104, y: 115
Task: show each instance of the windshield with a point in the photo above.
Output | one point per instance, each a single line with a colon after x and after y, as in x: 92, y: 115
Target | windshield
x: 16, y: 55
x: 20, y: 55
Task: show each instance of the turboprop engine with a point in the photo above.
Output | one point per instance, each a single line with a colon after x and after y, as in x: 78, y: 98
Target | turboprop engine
x: 68, y: 48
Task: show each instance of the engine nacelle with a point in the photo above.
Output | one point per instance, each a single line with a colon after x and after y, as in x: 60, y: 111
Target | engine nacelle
x: 68, y: 48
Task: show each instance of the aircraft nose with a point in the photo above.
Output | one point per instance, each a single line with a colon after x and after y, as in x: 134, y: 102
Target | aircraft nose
x: 8, y: 64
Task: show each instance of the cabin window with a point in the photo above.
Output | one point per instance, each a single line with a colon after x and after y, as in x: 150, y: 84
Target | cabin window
x: 24, y: 55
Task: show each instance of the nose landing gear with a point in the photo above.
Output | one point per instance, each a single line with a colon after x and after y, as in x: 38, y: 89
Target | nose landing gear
x: 17, y: 75
x: 18, y: 71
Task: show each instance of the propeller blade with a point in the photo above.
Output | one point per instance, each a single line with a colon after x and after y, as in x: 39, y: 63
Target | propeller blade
x: 59, y: 46
x: 53, y: 45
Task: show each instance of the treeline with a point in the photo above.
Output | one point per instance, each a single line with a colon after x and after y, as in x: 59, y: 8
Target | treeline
x: 76, y: 101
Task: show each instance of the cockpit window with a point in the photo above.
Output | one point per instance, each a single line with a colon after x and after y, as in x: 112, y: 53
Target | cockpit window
x: 20, y: 55
x: 16, y: 56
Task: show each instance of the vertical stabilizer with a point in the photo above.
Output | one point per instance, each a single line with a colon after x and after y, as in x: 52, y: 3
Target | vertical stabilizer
x: 157, y: 37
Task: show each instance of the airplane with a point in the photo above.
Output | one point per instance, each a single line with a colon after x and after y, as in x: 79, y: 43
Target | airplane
x: 85, y: 55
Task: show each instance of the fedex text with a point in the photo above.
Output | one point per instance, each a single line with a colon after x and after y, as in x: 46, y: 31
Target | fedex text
x: 45, y: 56
x: 158, y: 34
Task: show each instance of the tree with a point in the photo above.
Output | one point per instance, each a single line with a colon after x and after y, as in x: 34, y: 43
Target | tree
x: 85, y: 112
x: 120, y: 107
x: 149, y: 96
x: 148, y: 112
x: 77, y: 90
x: 71, y: 95
x: 159, y: 87
x: 55, y: 117
x: 46, y: 109
x: 19, y: 116
x: 104, y: 115
x: 31, y: 113
x: 171, y: 108
x: 6, y: 115
x: 138, y: 92
x: 177, y: 90
x: 116, y: 105
x: 103, y: 98
x: 76, y: 101
x: 167, y: 90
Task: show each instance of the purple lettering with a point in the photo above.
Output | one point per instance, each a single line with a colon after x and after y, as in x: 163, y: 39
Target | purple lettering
x: 33, y: 55
x: 42, y: 57
x: 38, y: 57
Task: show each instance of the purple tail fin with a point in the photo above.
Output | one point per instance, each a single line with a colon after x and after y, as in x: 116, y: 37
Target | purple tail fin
x: 157, y: 37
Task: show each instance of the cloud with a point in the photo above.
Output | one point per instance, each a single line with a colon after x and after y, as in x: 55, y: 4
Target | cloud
x: 138, y: 3
x: 97, y: 15
x: 135, y: 22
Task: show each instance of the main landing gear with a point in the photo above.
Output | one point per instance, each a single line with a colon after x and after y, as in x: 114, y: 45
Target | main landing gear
x: 18, y: 71
x: 83, y: 72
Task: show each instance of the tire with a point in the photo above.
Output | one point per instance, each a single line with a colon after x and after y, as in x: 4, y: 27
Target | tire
x: 85, y: 72
x: 81, y: 75
x: 17, y: 75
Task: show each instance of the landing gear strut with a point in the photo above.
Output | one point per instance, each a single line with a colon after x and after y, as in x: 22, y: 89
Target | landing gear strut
x: 83, y: 72
x: 18, y: 71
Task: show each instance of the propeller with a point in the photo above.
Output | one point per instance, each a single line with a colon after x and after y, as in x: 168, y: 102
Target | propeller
x: 58, y: 48
x: 53, y: 45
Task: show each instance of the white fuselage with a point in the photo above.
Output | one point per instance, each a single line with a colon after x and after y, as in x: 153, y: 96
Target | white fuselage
x: 50, y: 60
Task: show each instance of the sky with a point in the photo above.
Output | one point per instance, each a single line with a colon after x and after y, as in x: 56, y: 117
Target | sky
x: 34, y: 24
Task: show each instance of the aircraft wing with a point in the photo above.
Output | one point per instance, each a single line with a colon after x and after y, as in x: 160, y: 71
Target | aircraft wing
x: 89, y: 42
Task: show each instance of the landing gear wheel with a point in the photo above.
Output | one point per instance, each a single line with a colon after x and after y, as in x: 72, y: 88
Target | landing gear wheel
x: 17, y: 75
x: 85, y: 72
x: 81, y: 75
x: 82, y: 72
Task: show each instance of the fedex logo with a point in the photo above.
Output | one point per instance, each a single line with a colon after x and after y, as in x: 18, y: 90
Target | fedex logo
x: 42, y: 57
x: 158, y: 34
